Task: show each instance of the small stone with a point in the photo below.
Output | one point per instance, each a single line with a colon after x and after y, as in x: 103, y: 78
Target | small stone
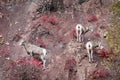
x: 7, y: 43
x: 36, y: 37
x: 1, y: 41
x: 10, y: 24
x: 19, y: 29
x: 80, y: 64
x: 1, y: 36
x: 1, y: 15
x: 16, y: 22
x: 28, y: 25
x: 7, y: 58
x: 62, y: 45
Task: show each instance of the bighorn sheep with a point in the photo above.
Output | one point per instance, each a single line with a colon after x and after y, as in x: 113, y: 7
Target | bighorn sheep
x: 80, y: 32
x: 90, y: 45
x: 34, y: 50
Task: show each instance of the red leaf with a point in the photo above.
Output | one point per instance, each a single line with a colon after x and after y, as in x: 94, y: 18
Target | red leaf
x: 52, y: 20
x: 92, y: 18
x: 97, y: 34
x: 99, y: 73
x: 36, y: 62
x: 103, y: 53
x: 3, y: 51
x: 44, y: 19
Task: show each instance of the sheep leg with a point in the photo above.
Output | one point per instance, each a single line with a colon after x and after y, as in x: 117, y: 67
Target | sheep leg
x: 89, y: 55
x: 31, y: 53
x: 43, y: 60
x: 77, y: 35
x: 28, y: 52
x: 82, y: 37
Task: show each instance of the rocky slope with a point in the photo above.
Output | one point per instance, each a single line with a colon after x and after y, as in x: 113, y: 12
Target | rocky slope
x: 66, y: 59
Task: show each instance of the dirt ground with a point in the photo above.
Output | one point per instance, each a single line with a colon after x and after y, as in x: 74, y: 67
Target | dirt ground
x: 20, y: 20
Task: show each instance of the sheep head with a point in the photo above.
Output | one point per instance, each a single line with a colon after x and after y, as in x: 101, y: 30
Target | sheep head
x: 22, y: 42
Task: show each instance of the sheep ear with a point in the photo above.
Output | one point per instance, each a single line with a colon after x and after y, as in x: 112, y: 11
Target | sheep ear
x: 22, y: 41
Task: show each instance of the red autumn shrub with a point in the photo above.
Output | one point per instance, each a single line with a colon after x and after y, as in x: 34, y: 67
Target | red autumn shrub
x: 99, y: 73
x: 97, y: 34
x: 103, y: 53
x: 22, y: 69
x: 3, y: 51
x: 36, y: 62
x: 9, y: 64
x: 44, y: 19
x: 52, y: 20
x: 92, y: 18
x: 33, y: 61
x: 8, y: 67
x: 40, y: 42
x: 70, y: 64
x: 23, y: 60
x: 28, y: 71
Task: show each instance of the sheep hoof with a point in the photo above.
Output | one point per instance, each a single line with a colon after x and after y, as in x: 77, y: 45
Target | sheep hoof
x: 90, y: 62
x: 93, y: 61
